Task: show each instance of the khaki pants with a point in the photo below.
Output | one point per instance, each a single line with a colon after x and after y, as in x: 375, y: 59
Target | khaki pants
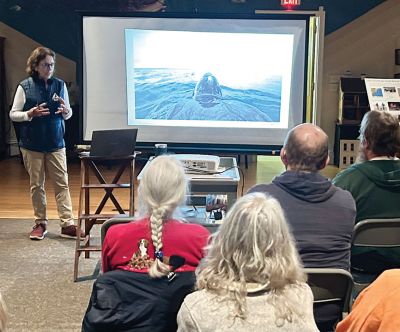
x: 54, y: 164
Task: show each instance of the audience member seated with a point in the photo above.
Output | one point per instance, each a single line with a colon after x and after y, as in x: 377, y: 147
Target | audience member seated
x: 377, y: 307
x: 3, y: 314
x: 150, y: 262
x: 252, y: 278
x: 374, y: 182
x: 321, y: 215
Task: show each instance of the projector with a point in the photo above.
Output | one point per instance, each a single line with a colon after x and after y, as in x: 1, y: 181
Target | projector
x: 198, y: 162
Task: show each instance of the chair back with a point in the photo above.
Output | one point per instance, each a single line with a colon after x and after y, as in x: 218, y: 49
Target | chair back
x: 110, y: 222
x: 383, y: 233
x: 378, y: 233
x: 212, y: 228
x: 330, y: 285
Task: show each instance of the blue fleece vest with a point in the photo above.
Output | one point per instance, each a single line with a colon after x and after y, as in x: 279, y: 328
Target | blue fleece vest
x: 45, y: 133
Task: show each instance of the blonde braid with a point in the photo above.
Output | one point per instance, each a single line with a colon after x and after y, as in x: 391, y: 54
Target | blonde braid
x: 158, y: 269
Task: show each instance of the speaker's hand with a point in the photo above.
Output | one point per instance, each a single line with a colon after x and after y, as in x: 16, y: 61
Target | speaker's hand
x: 38, y: 111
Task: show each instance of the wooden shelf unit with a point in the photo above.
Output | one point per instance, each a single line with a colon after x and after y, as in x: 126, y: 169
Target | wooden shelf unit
x: 353, y: 100
x: 353, y: 104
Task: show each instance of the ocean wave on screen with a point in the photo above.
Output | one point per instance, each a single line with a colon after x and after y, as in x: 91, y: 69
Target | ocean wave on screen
x: 168, y: 94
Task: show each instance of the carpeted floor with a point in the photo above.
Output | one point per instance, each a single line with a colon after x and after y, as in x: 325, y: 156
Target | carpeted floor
x: 36, y: 279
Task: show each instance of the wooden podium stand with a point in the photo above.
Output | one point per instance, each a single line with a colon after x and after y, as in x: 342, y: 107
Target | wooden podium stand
x: 88, y: 218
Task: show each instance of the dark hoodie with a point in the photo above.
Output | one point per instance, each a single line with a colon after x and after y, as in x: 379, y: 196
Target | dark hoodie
x: 321, y: 216
x: 375, y: 186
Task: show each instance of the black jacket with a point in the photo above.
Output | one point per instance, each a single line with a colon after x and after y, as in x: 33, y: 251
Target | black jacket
x: 127, y: 301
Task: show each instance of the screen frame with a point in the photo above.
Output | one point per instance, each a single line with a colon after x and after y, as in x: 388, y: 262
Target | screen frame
x: 204, y: 147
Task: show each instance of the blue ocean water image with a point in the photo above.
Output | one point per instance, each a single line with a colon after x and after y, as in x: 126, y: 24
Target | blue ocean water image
x: 377, y: 92
x: 176, y: 94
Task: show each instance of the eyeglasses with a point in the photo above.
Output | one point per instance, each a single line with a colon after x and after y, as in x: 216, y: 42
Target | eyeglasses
x: 47, y: 65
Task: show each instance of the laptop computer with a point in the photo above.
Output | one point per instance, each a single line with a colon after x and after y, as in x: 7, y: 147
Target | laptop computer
x: 113, y: 143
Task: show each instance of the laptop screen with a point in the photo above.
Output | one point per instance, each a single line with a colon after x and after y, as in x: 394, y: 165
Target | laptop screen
x: 113, y: 143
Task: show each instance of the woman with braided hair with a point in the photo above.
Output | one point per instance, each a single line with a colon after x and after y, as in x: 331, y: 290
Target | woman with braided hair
x: 149, y: 263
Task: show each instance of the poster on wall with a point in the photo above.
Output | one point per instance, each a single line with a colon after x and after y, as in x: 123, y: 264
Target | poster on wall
x: 384, y: 94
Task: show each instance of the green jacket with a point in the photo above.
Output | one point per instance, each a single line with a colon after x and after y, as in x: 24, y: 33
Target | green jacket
x: 375, y: 187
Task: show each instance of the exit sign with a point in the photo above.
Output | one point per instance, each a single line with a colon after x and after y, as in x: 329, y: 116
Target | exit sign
x: 290, y: 2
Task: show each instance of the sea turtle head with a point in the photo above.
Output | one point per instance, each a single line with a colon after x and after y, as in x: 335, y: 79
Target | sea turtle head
x: 207, y: 90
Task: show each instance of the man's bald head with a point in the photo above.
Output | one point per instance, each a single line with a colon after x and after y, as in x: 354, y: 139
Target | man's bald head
x: 305, y: 148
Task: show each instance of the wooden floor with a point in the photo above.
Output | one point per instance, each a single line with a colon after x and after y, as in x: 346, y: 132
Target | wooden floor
x: 14, y: 185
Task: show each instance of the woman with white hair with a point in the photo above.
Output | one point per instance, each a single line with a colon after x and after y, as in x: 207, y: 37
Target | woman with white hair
x: 150, y: 262
x: 252, y: 278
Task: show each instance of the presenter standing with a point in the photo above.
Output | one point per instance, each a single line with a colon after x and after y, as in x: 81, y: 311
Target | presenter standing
x: 41, y: 104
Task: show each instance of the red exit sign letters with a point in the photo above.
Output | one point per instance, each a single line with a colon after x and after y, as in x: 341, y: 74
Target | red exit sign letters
x: 290, y: 2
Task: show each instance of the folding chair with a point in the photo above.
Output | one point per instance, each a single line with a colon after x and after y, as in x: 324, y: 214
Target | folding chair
x: 111, y: 222
x: 331, y: 286
x: 378, y: 233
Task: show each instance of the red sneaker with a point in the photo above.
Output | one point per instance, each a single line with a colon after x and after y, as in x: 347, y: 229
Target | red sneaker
x: 38, y: 232
x: 71, y: 231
